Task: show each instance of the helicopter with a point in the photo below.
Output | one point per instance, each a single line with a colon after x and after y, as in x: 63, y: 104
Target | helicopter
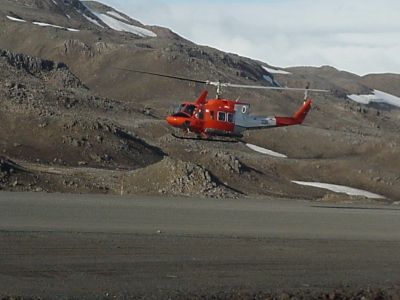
x: 219, y: 117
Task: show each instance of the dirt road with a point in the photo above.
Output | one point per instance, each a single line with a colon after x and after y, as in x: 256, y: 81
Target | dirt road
x: 101, y: 246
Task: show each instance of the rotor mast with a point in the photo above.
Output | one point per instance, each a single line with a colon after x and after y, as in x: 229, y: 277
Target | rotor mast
x: 219, y: 90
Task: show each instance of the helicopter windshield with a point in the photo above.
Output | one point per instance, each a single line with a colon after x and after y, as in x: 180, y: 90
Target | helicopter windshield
x: 176, y: 109
x: 188, y: 108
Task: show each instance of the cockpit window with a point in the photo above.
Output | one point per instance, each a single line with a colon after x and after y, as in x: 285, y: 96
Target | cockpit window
x: 181, y: 115
x: 176, y: 109
x: 189, y: 109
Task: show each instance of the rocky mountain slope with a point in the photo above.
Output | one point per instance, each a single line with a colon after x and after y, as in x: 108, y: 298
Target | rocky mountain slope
x: 80, y: 125
x: 49, y: 106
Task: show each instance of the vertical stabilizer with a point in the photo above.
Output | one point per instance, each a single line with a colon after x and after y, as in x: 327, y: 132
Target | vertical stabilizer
x: 298, y: 116
x: 301, y: 114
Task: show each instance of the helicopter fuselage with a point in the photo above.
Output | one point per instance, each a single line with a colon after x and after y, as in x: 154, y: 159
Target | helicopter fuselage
x: 222, y: 117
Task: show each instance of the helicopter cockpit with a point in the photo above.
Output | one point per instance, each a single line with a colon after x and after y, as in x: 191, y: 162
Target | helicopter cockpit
x: 187, y: 109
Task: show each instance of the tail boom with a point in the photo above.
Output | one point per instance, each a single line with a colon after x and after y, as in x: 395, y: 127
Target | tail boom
x: 243, y: 121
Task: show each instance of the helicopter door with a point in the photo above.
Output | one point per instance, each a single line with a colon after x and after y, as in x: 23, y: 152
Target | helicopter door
x: 212, y: 117
x: 199, y: 114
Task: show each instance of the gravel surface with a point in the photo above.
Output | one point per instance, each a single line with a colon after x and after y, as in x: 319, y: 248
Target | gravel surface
x: 69, y: 246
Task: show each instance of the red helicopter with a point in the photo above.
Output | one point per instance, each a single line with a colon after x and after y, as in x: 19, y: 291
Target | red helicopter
x: 227, y: 118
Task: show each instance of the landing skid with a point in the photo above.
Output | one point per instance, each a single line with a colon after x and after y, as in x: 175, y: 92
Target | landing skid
x: 221, y: 140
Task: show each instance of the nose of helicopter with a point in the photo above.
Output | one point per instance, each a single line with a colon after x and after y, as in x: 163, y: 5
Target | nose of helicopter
x: 175, y: 121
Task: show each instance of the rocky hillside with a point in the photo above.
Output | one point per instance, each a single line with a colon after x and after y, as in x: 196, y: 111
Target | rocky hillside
x: 385, y: 82
x: 48, y: 115
x: 103, y: 39
x: 68, y: 120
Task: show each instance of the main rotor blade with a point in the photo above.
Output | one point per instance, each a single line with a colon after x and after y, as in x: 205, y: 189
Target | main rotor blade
x: 164, y: 75
x: 269, y: 87
x: 224, y: 84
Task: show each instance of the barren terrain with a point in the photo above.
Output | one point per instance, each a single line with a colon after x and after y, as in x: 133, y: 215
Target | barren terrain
x: 84, y: 126
x: 75, y: 128
x: 67, y: 139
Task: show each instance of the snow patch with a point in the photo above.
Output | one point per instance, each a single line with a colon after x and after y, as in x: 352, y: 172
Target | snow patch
x: 54, y: 26
x: 46, y: 25
x: 341, y: 189
x: 72, y: 29
x: 91, y: 20
x: 117, y: 15
x: 265, y: 151
x: 376, y: 97
x: 43, y: 24
x: 268, y: 78
x: 121, y: 26
x: 54, y: 1
x: 114, y: 21
x: 68, y: 16
x: 16, y: 19
x: 275, y: 71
